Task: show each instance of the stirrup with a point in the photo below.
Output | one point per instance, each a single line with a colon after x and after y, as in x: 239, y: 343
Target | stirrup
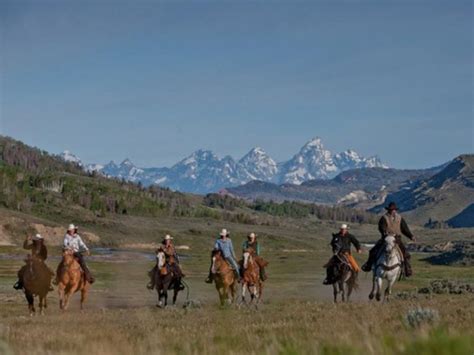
x: 150, y: 286
x: 208, y: 280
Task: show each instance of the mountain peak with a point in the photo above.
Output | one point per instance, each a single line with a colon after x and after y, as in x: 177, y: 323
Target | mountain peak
x: 70, y: 157
x: 314, y: 142
x: 127, y: 162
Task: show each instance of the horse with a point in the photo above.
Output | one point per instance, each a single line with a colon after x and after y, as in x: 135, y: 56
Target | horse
x: 71, y: 279
x: 389, y: 267
x: 36, y: 282
x: 345, y: 281
x: 165, y: 280
x: 224, y: 277
x: 251, y: 278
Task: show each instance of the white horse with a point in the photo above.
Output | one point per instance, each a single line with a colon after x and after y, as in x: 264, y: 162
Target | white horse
x: 389, y: 267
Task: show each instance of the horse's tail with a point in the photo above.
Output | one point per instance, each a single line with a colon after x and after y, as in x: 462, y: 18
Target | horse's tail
x: 353, y: 281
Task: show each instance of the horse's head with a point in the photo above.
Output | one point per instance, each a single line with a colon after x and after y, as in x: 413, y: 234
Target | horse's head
x: 161, y: 259
x: 247, y: 258
x: 389, y: 244
x: 68, y: 255
x: 216, y: 261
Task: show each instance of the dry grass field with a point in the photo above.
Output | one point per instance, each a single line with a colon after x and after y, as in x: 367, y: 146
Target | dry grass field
x: 297, y: 315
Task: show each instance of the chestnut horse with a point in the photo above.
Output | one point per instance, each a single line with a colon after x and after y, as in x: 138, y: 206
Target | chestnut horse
x: 251, y: 278
x: 224, y: 278
x: 36, y: 282
x: 71, y: 279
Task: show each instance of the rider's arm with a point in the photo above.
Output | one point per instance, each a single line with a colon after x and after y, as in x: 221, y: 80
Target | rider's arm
x: 82, y: 245
x: 27, y: 245
x: 383, y: 227
x: 405, y: 230
x: 355, y: 242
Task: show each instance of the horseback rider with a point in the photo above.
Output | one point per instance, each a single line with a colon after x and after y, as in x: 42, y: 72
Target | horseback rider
x: 39, y: 252
x: 224, y: 245
x: 391, y: 223
x: 172, y: 260
x: 341, y: 247
x: 73, y: 241
x: 252, y: 244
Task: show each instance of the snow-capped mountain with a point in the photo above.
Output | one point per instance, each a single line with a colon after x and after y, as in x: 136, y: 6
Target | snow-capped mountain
x: 350, y: 159
x: 69, y: 157
x: 312, y: 162
x: 204, y: 172
x: 259, y: 165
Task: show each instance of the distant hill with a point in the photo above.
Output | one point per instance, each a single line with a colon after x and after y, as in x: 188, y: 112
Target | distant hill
x: 445, y: 197
x: 357, y: 187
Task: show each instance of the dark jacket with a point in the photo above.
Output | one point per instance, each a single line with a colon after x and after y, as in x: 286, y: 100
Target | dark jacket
x: 38, y: 249
x: 403, y: 227
x: 342, y: 243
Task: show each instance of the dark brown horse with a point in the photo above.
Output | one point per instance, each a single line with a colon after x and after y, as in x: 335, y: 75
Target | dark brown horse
x: 36, y: 282
x: 165, y: 280
x: 224, y: 278
x: 71, y: 279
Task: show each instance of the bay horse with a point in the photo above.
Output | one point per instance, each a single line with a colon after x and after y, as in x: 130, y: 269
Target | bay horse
x: 71, y: 279
x: 165, y: 280
x: 345, y: 281
x: 389, y: 267
x: 251, y: 278
x: 224, y: 278
x: 36, y: 282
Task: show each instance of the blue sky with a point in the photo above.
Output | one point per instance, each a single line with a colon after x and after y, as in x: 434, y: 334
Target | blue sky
x: 154, y: 81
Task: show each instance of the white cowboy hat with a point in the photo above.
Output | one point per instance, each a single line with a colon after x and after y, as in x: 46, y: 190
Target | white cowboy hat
x: 168, y: 237
x: 37, y: 237
x: 224, y: 232
x: 71, y: 227
x: 252, y: 235
x: 344, y: 226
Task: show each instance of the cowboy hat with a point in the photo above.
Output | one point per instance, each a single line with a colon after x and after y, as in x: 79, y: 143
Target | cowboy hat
x: 168, y: 237
x: 252, y: 235
x: 37, y: 237
x: 71, y: 227
x: 344, y: 226
x: 224, y: 233
x: 391, y: 206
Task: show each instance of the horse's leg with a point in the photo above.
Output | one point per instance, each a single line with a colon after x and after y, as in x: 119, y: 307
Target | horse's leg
x: 379, y: 288
x: 84, y: 293
x: 31, y: 302
x: 41, y: 303
x: 335, y: 291
x: 175, y: 292
x: 61, y: 294
x: 350, y: 285
x: 222, y: 295
x: 244, y: 287
x: 388, y: 290
x: 67, y: 294
x: 371, y: 294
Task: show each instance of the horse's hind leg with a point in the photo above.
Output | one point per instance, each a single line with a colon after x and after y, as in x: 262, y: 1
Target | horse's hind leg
x: 371, y: 294
x: 379, y: 288
x: 41, y: 303
x: 388, y: 290
x: 175, y: 292
x: 31, y: 302
x: 83, y: 297
x: 335, y: 291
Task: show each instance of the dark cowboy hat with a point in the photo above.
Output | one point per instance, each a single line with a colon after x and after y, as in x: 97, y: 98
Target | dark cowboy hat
x: 391, y: 206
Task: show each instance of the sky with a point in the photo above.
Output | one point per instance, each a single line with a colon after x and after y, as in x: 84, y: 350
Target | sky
x: 154, y: 81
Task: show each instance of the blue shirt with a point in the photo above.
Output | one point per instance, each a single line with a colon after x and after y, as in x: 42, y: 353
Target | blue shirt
x: 226, y: 247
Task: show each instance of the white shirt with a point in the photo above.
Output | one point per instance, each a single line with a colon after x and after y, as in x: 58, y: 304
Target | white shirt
x: 75, y: 243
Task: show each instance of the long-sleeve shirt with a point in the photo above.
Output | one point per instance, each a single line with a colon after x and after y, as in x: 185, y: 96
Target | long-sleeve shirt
x: 38, y: 249
x: 255, y: 246
x: 342, y: 243
x: 226, y: 247
x: 75, y: 243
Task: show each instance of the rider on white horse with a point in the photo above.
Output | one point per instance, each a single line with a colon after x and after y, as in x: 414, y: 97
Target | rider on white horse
x: 391, y: 223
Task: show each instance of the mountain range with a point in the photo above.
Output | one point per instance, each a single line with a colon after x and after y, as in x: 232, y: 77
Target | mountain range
x: 203, y: 171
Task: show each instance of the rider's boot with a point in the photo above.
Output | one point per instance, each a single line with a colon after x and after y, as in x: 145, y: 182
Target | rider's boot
x: 408, y: 270
x: 181, y: 286
x: 210, y: 278
x: 263, y: 274
x: 237, y: 275
x: 18, y: 285
x: 367, y: 265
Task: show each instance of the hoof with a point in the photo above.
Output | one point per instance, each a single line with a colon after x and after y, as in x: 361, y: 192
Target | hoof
x: 377, y: 297
x: 371, y: 296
